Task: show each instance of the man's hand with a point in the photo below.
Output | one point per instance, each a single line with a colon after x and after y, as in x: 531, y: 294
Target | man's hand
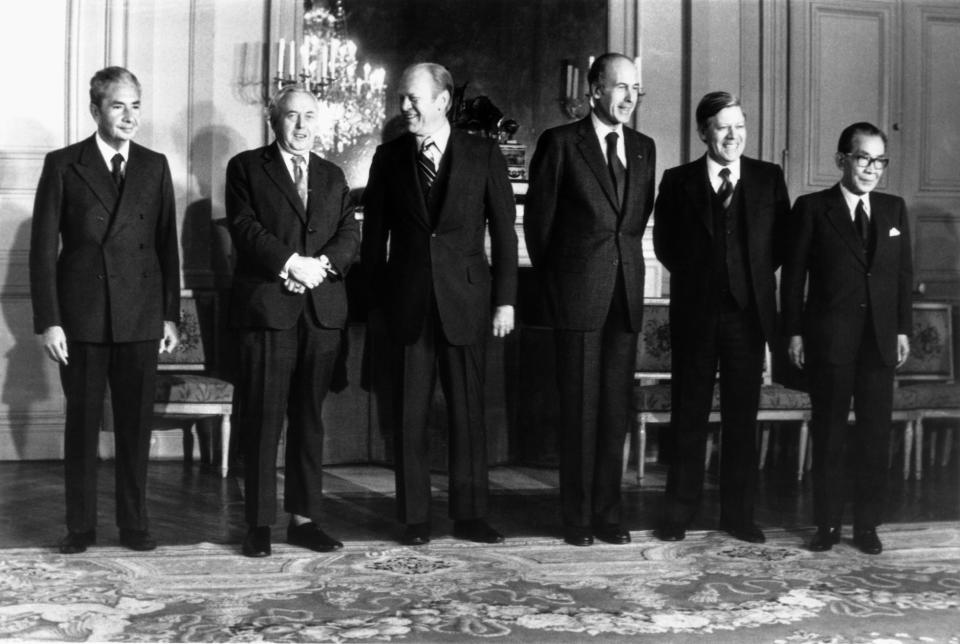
x: 502, y: 320
x: 903, y: 349
x: 55, y: 343
x: 170, y: 339
x: 309, y: 271
x: 294, y: 286
x: 796, y: 351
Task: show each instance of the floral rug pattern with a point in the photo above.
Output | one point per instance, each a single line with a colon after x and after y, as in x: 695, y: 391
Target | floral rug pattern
x: 706, y: 588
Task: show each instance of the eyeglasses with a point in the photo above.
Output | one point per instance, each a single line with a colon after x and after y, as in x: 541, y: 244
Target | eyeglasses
x: 863, y: 161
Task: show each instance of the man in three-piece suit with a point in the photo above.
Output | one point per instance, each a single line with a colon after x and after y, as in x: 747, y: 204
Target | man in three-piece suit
x: 720, y: 230
x: 433, y: 191
x: 590, y: 196
x: 296, y: 235
x: 851, y: 247
x: 105, y: 283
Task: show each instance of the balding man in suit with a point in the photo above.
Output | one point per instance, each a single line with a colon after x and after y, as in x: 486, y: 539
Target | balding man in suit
x: 105, y: 283
x: 590, y: 196
x: 433, y: 192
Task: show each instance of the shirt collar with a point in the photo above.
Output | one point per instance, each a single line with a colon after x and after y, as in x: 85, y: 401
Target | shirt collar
x: 441, y: 136
x: 602, y: 129
x: 852, y: 199
x: 107, y: 151
x: 714, y: 168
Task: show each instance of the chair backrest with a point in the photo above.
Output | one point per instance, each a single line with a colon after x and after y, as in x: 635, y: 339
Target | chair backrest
x: 197, y: 318
x: 931, y: 344
x: 653, y: 345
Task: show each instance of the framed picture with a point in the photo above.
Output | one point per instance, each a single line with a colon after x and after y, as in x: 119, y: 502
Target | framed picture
x: 653, y: 345
x: 931, y: 344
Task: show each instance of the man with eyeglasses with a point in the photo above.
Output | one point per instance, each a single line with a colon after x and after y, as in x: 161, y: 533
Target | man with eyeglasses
x: 851, y: 247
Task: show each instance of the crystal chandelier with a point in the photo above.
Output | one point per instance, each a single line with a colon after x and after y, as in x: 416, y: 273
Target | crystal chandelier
x: 351, y: 97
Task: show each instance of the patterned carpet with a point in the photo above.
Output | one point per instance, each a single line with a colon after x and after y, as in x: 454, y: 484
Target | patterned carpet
x: 708, y: 588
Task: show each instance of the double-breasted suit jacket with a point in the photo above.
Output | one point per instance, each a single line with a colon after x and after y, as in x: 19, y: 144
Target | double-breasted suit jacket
x: 845, y: 286
x: 577, y: 235
x: 441, y: 254
x: 269, y: 222
x: 104, y: 266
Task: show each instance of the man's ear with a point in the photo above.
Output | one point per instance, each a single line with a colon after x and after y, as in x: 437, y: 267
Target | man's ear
x: 838, y: 157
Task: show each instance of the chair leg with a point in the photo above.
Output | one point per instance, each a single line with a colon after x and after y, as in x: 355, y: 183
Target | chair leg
x: 802, y: 449
x: 630, y: 438
x: 225, y: 446
x: 907, y: 448
x: 918, y: 449
x: 641, y: 451
x: 764, y: 444
x: 709, y: 451
x: 947, y: 446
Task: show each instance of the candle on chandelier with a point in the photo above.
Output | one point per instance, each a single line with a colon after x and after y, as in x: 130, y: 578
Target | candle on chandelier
x: 638, y: 62
x: 280, y: 51
x: 293, y: 61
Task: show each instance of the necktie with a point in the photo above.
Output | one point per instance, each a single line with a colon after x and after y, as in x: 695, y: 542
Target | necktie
x: 617, y: 171
x: 116, y: 163
x: 862, y: 223
x: 725, y: 193
x: 300, y: 177
x: 426, y: 167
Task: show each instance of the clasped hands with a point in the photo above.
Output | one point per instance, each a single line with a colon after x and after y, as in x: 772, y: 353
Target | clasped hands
x: 303, y: 273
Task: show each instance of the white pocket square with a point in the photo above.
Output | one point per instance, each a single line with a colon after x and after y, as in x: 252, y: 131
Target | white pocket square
x: 894, y: 232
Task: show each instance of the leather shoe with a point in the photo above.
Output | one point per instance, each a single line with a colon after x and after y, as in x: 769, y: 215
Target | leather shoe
x: 416, y: 534
x: 577, y: 536
x: 671, y: 532
x: 611, y: 533
x: 476, y: 530
x: 824, y: 539
x: 77, y: 542
x: 867, y: 541
x: 257, y: 542
x: 748, y: 532
x: 137, y: 540
x: 309, y: 535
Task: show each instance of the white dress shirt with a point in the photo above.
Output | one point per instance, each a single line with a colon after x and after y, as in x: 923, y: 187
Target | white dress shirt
x: 713, y: 171
x: 602, y: 130
x: 852, y: 200
x: 107, y: 152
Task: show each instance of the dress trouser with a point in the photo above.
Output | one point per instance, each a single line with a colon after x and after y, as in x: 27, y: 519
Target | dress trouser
x: 732, y: 339
x: 870, y: 382
x: 284, y: 374
x: 131, y: 369
x: 595, y: 379
x: 461, y: 370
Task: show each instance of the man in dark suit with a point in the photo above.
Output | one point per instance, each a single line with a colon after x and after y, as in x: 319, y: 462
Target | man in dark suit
x: 851, y: 247
x: 296, y: 235
x: 105, y: 283
x: 590, y: 196
x: 433, y: 191
x: 720, y: 231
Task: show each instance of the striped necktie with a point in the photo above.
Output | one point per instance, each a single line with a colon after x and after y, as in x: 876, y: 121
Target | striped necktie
x: 300, y: 177
x: 726, y: 188
x: 426, y: 167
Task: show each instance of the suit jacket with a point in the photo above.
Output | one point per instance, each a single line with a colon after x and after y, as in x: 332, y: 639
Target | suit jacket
x: 104, y: 266
x: 441, y: 253
x: 269, y: 223
x: 843, y: 289
x: 683, y: 238
x: 577, y: 235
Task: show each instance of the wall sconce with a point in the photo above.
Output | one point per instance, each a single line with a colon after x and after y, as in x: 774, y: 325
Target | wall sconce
x: 575, y: 100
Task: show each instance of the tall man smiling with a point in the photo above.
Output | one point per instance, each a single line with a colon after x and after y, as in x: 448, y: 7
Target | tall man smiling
x: 433, y: 192
x: 719, y: 229
x: 591, y: 193
x: 105, y: 283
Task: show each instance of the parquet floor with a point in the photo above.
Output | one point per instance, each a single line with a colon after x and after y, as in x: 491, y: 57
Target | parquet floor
x: 192, y: 504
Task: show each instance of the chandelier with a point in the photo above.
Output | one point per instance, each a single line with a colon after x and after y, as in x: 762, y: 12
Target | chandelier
x: 351, y: 97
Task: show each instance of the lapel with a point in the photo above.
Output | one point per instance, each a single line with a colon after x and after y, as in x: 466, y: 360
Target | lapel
x: 882, y: 225
x: 634, y: 161
x: 276, y: 169
x: 699, y: 193
x: 134, y: 188
x: 456, y: 170
x: 93, y: 171
x: 839, y: 217
x: 593, y: 155
x: 409, y: 179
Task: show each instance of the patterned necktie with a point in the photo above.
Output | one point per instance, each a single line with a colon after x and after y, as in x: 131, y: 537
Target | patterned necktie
x: 116, y: 165
x: 426, y: 167
x: 300, y: 177
x: 862, y: 223
x: 725, y: 193
x: 617, y: 171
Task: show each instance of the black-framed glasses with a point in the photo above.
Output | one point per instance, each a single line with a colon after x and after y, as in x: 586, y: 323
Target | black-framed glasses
x: 863, y: 161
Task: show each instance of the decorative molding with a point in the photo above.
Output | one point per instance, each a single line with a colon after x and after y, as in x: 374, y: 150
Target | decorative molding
x: 930, y: 87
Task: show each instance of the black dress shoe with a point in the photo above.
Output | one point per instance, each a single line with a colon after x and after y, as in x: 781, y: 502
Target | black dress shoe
x: 476, y: 530
x: 611, y: 533
x: 137, y: 540
x: 867, y: 541
x: 77, y: 542
x: 309, y: 535
x: 416, y: 534
x: 824, y: 539
x: 748, y: 532
x: 671, y: 532
x: 577, y: 536
x: 257, y: 542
